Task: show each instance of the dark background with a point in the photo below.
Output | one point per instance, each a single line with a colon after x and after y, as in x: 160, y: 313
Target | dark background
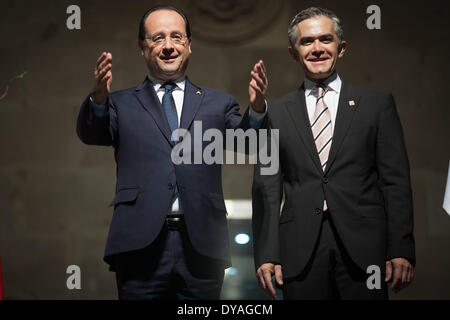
x: 54, y: 190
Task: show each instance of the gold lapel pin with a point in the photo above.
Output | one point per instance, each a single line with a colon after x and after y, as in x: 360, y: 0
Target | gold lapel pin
x: 351, y: 103
x: 198, y: 93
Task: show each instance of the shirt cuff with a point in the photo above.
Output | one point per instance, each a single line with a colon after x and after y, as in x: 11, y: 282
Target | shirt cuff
x: 100, y: 110
x: 256, y: 118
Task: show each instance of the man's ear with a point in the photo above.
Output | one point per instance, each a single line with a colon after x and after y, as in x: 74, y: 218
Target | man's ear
x: 141, y: 47
x: 294, y: 54
x: 342, y: 48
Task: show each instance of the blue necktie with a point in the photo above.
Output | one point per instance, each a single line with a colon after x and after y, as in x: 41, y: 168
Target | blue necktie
x: 172, y: 117
x: 169, y: 106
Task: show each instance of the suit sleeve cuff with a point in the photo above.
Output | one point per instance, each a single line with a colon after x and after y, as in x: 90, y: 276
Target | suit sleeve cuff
x: 256, y: 118
x: 99, y: 110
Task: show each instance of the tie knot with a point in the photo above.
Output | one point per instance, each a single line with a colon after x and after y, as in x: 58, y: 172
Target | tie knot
x: 169, y: 86
x: 321, y: 90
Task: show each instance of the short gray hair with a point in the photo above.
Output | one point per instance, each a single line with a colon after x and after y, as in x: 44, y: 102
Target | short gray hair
x: 311, y: 13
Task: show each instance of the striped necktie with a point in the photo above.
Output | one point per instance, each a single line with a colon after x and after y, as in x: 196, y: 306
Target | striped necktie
x: 322, y: 129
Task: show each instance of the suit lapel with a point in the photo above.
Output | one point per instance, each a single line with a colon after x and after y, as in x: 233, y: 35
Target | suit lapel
x: 348, y: 102
x: 299, y: 115
x: 149, y: 100
x: 193, y: 97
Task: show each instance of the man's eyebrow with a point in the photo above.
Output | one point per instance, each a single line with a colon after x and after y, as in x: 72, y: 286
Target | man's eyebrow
x: 326, y: 36
x: 321, y: 37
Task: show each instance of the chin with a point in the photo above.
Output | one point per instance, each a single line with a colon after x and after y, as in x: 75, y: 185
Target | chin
x: 172, y: 74
x: 320, y: 74
x: 169, y: 71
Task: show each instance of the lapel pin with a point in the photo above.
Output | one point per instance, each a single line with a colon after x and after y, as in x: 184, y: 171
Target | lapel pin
x: 198, y: 93
x: 351, y: 103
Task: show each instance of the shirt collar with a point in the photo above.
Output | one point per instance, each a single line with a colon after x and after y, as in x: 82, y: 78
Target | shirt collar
x: 333, y: 82
x: 181, y: 83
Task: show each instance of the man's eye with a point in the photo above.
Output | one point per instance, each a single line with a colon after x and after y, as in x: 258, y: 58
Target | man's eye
x: 177, y: 38
x: 327, y: 40
x: 158, y: 39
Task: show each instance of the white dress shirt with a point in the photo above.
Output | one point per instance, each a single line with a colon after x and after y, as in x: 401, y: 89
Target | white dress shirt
x: 331, y: 98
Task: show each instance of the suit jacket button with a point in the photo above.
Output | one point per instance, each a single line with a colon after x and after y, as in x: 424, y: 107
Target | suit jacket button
x: 325, y: 180
x: 170, y: 186
x: 318, y: 211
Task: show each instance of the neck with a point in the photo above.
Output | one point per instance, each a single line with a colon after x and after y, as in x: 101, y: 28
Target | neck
x: 165, y: 80
x: 323, y: 80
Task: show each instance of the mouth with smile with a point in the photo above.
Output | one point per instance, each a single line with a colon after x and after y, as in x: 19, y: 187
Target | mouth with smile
x: 168, y: 59
x: 318, y: 60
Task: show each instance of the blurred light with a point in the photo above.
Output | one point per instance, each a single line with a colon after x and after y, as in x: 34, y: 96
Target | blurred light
x: 231, y: 271
x: 239, y: 209
x: 242, y: 238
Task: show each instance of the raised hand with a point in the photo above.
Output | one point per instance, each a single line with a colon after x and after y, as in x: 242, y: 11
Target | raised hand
x: 258, y: 87
x: 102, y: 78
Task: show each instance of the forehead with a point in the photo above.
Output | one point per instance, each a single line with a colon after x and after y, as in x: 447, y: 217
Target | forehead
x: 316, y: 26
x: 164, y: 21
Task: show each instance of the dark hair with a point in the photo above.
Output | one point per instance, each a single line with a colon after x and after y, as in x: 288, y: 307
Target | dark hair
x: 142, y: 32
x: 311, y: 13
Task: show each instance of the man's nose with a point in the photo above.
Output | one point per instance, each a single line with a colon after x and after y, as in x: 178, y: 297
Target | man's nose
x: 168, y: 45
x: 317, y: 47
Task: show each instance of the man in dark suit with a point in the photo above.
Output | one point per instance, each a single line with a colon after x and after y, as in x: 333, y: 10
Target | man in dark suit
x: 347, y: 216
x: 168, y: 237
